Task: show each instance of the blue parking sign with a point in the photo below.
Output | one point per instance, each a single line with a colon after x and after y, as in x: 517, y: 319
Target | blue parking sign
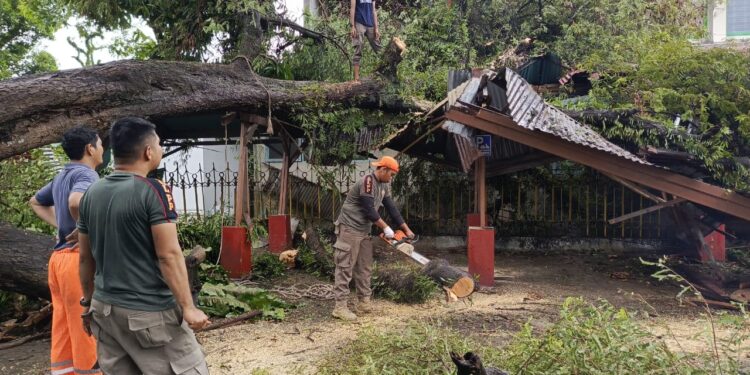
x: 484, y: 144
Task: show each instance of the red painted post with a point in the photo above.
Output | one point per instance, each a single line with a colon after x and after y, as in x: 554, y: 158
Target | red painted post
x: 716, y: 242
x: 279, y: 233
x: 236, y: 251
x: 472, y: 219
x: 481, y: 251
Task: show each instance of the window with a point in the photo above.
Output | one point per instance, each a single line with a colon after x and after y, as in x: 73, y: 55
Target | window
x: 274, y: 151
x: 738, y: 17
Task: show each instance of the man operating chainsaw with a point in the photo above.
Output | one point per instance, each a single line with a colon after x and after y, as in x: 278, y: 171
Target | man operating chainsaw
x: 353, y: 247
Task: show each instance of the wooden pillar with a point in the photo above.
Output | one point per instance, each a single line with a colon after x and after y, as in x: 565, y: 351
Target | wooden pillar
x: 279, y: 226
x: 241, y: 189
x: 481, y: 239
x: 236, y: 251
x: 284, y: 175
x: 481, y: 191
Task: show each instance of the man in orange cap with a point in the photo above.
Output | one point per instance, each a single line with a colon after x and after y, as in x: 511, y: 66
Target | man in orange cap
x: 353, y: 247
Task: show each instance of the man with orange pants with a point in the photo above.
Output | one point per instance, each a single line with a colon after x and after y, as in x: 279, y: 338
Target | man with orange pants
x: 73, y: 351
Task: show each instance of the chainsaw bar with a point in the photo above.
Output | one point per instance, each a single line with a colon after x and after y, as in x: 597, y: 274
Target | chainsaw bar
x: 405, y: 246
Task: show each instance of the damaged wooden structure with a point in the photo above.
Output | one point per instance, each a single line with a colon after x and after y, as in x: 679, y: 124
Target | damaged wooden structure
x: 525, y: 132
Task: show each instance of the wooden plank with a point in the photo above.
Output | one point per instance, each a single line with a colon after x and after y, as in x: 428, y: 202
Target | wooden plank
x: 410, y: 145
x: 646, y: 210
x: 647, y: 175
x: 636, y: 188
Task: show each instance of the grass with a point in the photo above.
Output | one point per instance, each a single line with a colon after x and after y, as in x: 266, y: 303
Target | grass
x: 588, y: 338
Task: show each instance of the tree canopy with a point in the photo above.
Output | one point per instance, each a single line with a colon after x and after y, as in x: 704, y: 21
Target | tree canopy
x: 22, y: 24
x: 639, y: 52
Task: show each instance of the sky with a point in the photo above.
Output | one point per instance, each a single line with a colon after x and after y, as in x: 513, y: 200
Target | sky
x: 64, y: 53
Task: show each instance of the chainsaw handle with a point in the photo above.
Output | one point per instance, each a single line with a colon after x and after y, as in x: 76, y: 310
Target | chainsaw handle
x: 405, y: 240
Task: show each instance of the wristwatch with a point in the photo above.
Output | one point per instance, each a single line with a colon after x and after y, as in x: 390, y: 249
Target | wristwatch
x: 84, y: 302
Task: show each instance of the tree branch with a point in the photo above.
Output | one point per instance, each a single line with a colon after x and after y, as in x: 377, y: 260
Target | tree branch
x: 37, y: 109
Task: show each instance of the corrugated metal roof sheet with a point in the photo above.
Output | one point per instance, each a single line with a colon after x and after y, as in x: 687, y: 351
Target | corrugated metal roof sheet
x: 529, y: 110
x: 542, y: 70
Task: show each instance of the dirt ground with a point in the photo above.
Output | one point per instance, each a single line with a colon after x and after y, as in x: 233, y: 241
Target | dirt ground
x: 527, y: 286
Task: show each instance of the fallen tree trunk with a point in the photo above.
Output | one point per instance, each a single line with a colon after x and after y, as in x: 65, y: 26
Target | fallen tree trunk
x: 24, y: 256
x: 23, y: 261
x: 37, y: 109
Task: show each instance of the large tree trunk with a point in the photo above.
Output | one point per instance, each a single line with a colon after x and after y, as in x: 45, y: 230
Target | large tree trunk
x: 23, y: 261
x: 37, y: 109
x: 24, y: 256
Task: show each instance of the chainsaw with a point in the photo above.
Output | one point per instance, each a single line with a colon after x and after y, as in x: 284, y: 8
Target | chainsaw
x: 405, y: 244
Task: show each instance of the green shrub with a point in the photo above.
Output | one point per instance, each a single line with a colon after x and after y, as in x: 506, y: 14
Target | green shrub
x: 320, y: 265
x: 206, y: 231
x: 402, y: 283
x: 20, y: 178
x: 592, y: 339
x: 268, y: 266
x: 419, y: 348
x: 587, y: 339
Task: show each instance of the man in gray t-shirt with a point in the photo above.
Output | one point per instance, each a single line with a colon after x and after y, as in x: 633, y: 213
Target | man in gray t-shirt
x: 132, y: 268
x: 57, y: 203
x: 353, y: 247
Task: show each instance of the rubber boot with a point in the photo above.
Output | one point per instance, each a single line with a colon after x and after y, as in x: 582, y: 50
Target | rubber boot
x: 342, y: 312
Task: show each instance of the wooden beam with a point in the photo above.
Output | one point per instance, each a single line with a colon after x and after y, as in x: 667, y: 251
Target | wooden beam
x: 646, y: 210
x: 239, y: 192
x: 634, y: 187
x: 284, y: 174
x: 519, y: 163
x: 410, y: 145
x: 648, y: 175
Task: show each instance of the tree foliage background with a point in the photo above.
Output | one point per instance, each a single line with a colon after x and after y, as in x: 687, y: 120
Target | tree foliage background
x: 641, y: 51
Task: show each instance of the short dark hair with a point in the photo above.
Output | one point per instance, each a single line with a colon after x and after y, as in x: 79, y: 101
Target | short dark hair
x: 75, y: 140
x: 127, y: 137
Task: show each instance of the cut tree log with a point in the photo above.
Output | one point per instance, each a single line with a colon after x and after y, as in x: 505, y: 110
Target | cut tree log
x: 460, y: 283
x: 37, y: 109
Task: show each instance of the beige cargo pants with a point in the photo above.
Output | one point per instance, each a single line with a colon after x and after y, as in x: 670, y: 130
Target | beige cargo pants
x: 353, y: 257
x: 145, y: 342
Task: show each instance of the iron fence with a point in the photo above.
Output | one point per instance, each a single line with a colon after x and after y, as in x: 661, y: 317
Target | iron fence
x: 515, y: 207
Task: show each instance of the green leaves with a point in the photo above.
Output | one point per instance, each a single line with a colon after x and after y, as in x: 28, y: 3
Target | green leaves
x: 22, y: 24
x: 231, y: 300
x: 20, y: 178
x: 268, y: 266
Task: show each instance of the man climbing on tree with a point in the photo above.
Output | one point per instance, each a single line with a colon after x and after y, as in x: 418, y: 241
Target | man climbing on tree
x: 132, y: 268
x: 364, y: 21
x: 72, y: 350
x: 353, y: 247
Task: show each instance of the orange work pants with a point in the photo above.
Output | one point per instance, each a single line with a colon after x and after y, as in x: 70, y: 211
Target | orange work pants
x: 73, y: 351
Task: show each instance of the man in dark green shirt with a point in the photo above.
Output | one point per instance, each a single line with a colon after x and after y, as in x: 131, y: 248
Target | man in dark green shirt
x: 132, y: 268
